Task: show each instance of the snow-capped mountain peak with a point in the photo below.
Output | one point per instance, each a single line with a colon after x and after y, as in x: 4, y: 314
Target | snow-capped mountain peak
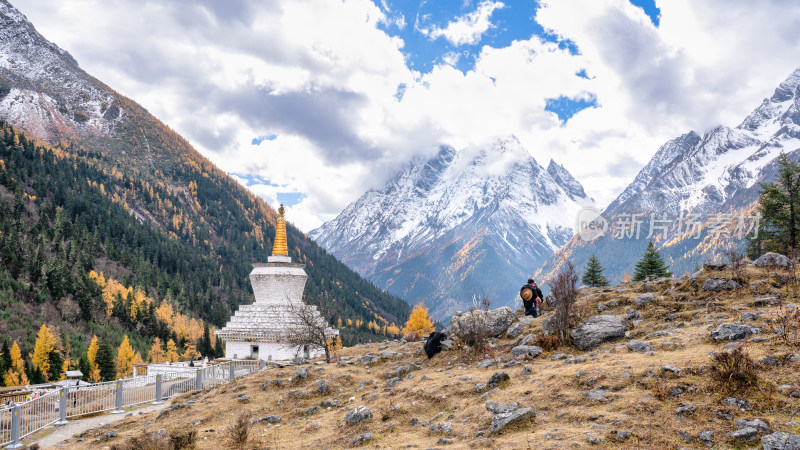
x: 458, y: 211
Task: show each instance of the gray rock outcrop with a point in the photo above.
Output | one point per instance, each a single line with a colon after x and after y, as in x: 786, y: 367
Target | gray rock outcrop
x: 720, y: 284
x: 733, y: 332
x: 598, y: 329
x: 359, y: 414
x: 504, y: 415
x: 492, y: 323
x: 772, y: 259
x: 781, y: 441
x: 526, y: 352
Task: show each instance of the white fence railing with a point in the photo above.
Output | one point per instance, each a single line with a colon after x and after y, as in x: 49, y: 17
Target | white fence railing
x: 25, y: 418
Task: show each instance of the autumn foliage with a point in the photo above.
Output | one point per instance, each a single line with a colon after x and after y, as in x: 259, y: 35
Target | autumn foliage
x: 419, y: 322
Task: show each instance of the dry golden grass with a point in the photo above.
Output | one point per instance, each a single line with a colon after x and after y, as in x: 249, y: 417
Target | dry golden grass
x: 639, y: 399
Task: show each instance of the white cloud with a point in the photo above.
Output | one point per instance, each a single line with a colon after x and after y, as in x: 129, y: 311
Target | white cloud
x: 323, y: 76
x: 466, y: 29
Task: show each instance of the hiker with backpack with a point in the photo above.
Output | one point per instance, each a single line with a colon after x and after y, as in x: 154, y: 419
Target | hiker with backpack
x: 531, y: 298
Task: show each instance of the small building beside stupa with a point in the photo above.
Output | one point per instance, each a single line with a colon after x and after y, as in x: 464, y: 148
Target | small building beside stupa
x: 259, y: 330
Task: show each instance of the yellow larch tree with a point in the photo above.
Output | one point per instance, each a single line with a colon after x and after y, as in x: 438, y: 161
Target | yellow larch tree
x: 45, y: 345
x: 15, y: 375
x: 91, y: 355
x: 124, y: 361
x: 419, y: 322
x: 172, y: 351
x: 191, y: 353
x: 157, y: 351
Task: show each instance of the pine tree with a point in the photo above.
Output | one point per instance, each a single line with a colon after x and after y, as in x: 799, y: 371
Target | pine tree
x: 219, y: 351
x: 45, y: 346
x: 124, y: 360
x: 15, y: 375
x: 5, y: 359
x: 419, y: 322
x: 779, y: 204
x: 105, y: 361
x: 651, y: 264
x: 93, y: 373
x: 594, y: 273
x: 83, y: 366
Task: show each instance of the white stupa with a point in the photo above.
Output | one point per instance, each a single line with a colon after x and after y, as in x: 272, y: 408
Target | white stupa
x: 258, y: 330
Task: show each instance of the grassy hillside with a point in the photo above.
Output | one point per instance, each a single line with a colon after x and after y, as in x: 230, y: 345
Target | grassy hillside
x: 637, y: 401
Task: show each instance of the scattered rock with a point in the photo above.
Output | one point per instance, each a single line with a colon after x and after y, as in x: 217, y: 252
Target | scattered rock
x: 715, y: 266
x: 486, y: 363
x: 623, y: 435
x: 497, y: 378
x: 632, y: 314
x: 111, y: 434
x: 357, y: 415
x: 268, y: 419
x: 737, y: 403
x: 769, y: 361
x: 598, y: 395
x: 772, y: 259
x: 720, y: 284
x: 602, y: 308
x: 363, y: 438
x: 311, y: 410
x: 781, y: 441
x: 387, y: 354
x: 504, y: 415
x: 686, y: 410
x: 514, y: 330
x: 733, y: 332
x: 598, y: 329
x: 707, y: 437
x: 639, y: 346
x: 444, y: 427
x: 301, y: 374
x: 443, y: 441
x: 766, y: 301
x: 368, y: 359
x: 747, y: 434
x: 322, y: 386
x: 392, y: 382
x: 758, y: 424
x: 644, y: 299
x: 480, y: 387
x: 526, y: 352
x: 748, y: 316
x: 673, y: 369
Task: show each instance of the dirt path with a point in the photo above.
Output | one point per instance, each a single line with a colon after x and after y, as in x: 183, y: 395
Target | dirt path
x: 51, y: 436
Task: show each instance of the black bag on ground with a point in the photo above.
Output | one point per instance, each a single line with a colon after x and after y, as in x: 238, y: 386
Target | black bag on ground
x: 434, y: 343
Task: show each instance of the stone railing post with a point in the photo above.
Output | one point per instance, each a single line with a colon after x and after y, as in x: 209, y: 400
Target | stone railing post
x: 158, y: 390
x: 118, y: 403
x: 232, y: 371
x: 198, y: 383
x: 15, y: 425
x: 62, y: 407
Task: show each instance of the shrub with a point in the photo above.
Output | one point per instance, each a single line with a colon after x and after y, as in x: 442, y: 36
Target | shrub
x: 734, y: 371
x: 548, y: 343
x: 239, y: 432
x: 564, y: 289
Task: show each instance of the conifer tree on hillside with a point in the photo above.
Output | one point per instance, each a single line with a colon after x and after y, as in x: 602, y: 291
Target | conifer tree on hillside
x: 172, y: 351
x: 419, y: 322
x: 42, y: 353
x: 105, y: 361
x: 594, y: 273
x: 15, y: 374
x: 5, y: 359
x: 651, y: 264
x: 93, y: 374
x: 124, y: 360
x: 779, y: 204
x: 219, y: 350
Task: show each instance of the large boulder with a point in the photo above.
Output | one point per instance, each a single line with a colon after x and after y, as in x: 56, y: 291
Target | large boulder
x: 781, y: 441
x: 773, y: 260
x: 492, y: 323
x: 599, y: 329
x: 733, y: 332
x: 720, y: 284
x: 549, y: 325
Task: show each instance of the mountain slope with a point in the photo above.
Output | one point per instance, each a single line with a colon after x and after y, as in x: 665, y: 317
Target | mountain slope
x: 463, y: 224
x: 154, y: 175
x: 715, y: 177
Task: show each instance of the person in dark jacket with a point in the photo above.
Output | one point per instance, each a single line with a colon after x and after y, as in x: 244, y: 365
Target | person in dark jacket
x: 529, y: 293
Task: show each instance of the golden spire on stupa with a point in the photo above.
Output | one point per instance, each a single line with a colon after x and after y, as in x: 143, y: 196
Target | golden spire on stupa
x: 279, y: 248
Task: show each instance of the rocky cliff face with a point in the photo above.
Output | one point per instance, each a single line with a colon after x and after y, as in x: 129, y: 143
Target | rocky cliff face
x: 463, y: 224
